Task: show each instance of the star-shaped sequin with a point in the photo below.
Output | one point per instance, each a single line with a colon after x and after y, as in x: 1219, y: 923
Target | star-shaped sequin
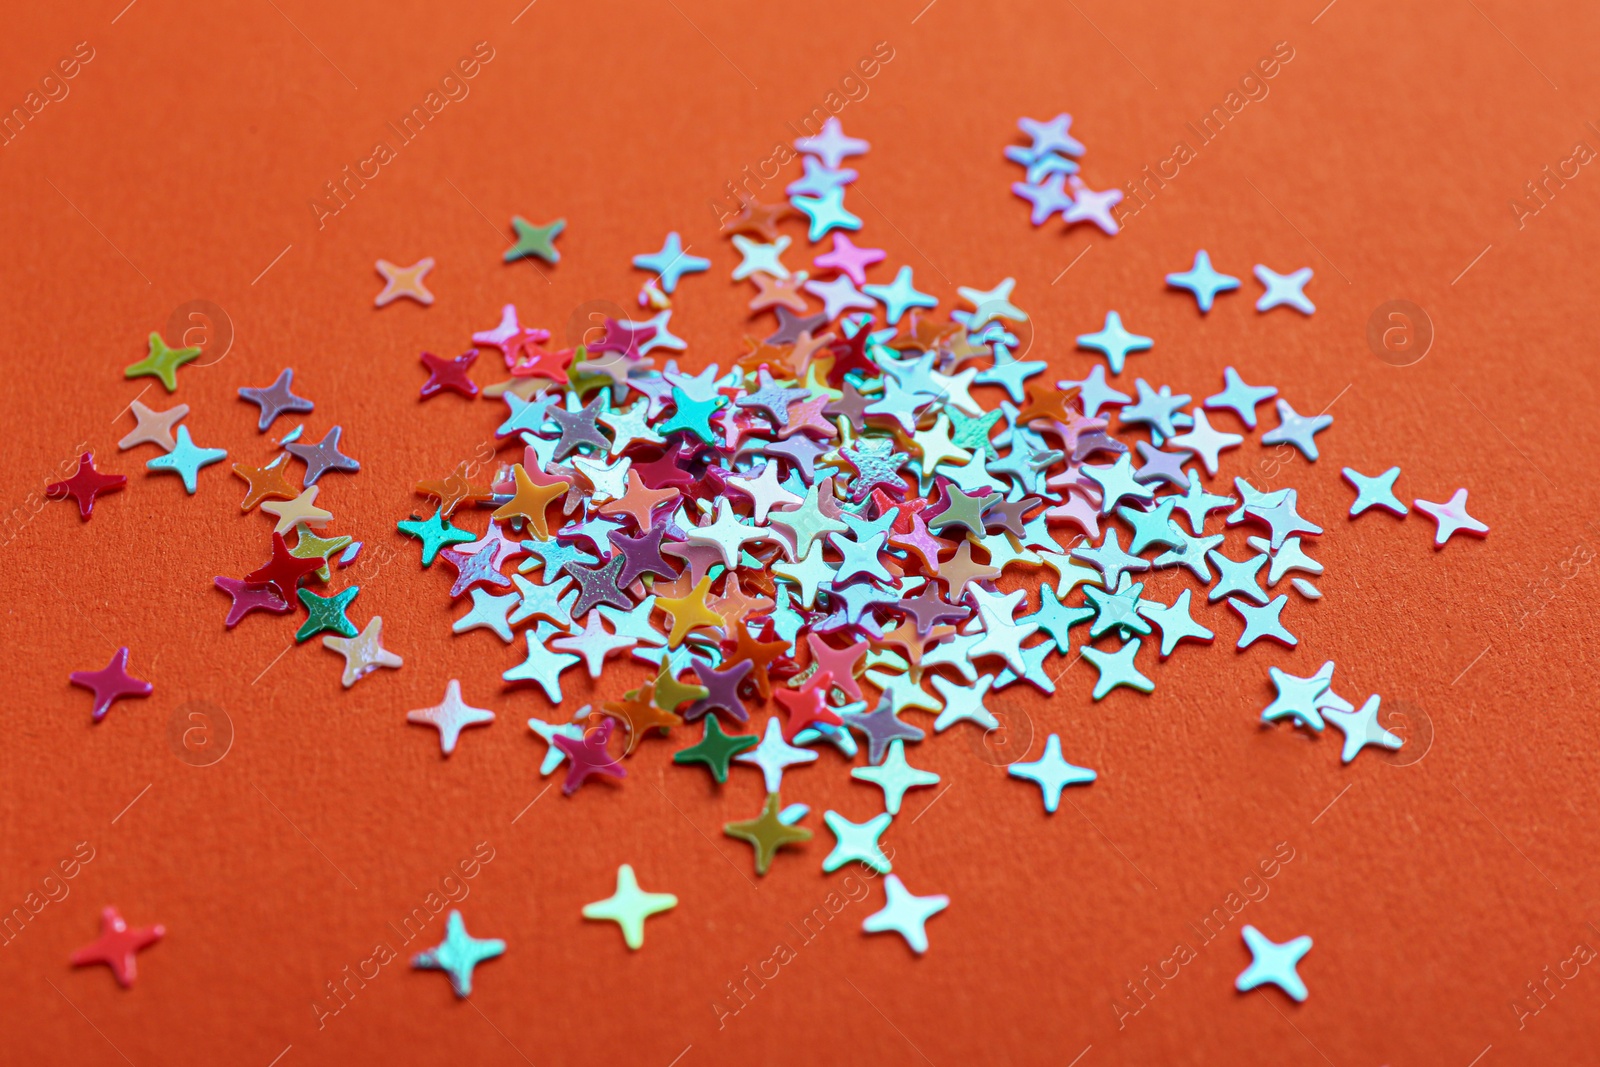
x: 1051, y: 773
x: 1115, y: 343
x: 1260, y: 622
x: 1273, y: 962
x: 118, y: 946
x: 1240, y: 397
x: 87, y: 483
x: 1361, y: 728
x: 895, y: 776
x: 672, y: 262
x: 630, y: 906
x: 767, y: 832
x: 1376, y: 491
x: 905, y: 913
x: 535, y: 241
x: 831, y: 145
x: 450, y: 716
x: 323, y: 456
x: 451, y: 374
x: 186, y: 459
x: 162, y: 362
x: 1452, y: 517
x: 401, y: 281
x: 458, y: 954
x: 1284, y: 290
x: 715, y: 749
x: 154, y: 427
x: 1117, y: 668
x: 363, y: 653
x: 111, y: 683
x: 1201, y: 280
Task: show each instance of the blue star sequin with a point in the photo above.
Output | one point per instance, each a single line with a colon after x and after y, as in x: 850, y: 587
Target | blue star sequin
x: 1114, y: 342
x: 1202, y: 281
x: 672, y: 262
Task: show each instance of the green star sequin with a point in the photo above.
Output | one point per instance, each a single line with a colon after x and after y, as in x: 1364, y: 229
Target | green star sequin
x: 162, y: 362
x: 715, y: 748
x: 1119, y: 609
x: 435, y: 533
x: 767, y: 832
x: 327, y: 613
x: 534, y: 240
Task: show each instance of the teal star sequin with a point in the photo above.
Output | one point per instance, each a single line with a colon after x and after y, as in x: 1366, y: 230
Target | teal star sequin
x: 435, y: 534
x: 549, y: 731
x: 691, y: 416
x: 1176, y: 622
x: 857, y: 842
x: 185, y: 460
x: 458, y: 954
x: 1301, y: 699
x: 1374, y: 492
x: 1204, y: 282
x: 1051, y: 773
x: 1115, y: 343
x: 899, y: 296
x: 1262, y: 622
x: 1116, y: 668
x: 327, y: 613
x: 1118, y: 609
x: 827, y: 213
x: 1272, y: 962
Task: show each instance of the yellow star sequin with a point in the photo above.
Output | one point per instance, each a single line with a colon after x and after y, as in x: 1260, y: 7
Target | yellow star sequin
x: 530, y: 501
x: 689, y: 611
x: 302, y: 508
x: 310, y: 546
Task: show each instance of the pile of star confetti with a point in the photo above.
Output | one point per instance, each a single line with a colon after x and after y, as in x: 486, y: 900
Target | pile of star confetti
x: 877, y: 519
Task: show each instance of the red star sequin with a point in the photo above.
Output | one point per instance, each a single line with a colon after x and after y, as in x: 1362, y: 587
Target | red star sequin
x: 86, y: 484
x: 449, y: 374
x: 111, y: 682
x: 623, y: 338
x: 118, y: 945
x: 283, y: 571
x: 808, y: 705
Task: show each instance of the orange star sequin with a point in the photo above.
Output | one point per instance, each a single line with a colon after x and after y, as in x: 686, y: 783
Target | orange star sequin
x: 266, y: 483
x: 638, y: 501
x: 926, y: 333
x: 759, y: 653
x: 762, y: 354
x: 453, y: 490
x: 774, y: 291
x: 1050, y: 403
x: 638, y: 712
x: 734, y: 603
x: 530, y: 501
x: 688, y: 612
x: 404, y: 281
x: 961, y: 568
x: 758, y: 218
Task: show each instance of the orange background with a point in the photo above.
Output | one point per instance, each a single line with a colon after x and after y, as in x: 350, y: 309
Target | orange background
x: 182, y: 163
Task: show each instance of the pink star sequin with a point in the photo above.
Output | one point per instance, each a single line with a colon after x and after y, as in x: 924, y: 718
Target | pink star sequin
x: 111, y: 682
x: 850, y: 259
